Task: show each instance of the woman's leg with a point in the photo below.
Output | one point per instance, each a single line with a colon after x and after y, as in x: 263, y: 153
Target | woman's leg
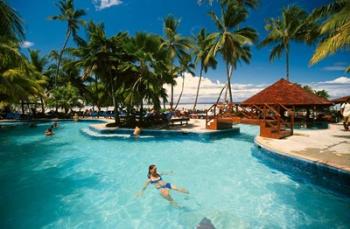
x: 165, y: 193
x: 183, y: 190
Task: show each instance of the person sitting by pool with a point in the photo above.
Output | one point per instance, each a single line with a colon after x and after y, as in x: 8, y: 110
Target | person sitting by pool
x: 137, y: 131
x: 160, y: 184
x: 49, y: 132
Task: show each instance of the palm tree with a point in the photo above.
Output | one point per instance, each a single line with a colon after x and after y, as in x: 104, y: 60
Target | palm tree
x: 149, y: 63
x: 19, y: 80
x: 39, y: 63
x: 249, y: 3
x: 232, y: 42
x: 104, y: 57
x: 176, y: 45
x: 293, y: 25
x: 73, y: 19
x: 201, y: 50
x: 335, y: 30
x: 10, y: 23
x: 186, y: 65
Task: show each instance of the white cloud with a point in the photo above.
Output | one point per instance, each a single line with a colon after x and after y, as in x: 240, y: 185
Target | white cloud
x: 339, y: 80
x: 334, y: 68
x: 210, y: 89
x: 103, y: 4
x: 338, y: 66
x: 336, y: 88
x: 26, y: 44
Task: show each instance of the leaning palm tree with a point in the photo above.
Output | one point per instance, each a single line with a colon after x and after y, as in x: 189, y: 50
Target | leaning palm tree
x: 10, y: 23
x: 73, y: 19
x: 186, y: 65
x: 176, y: 45
x: 293, y: 25
x: 335, y: 30
x: 201, y: 50
x: 231, y: 41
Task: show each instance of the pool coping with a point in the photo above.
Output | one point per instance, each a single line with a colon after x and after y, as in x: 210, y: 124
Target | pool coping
x: 258, y: 141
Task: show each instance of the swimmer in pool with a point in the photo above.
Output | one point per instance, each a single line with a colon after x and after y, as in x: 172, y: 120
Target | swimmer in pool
x: 163, y: 187
x: 137, y: 131
x: 49, y: 132
x: 55, y: 124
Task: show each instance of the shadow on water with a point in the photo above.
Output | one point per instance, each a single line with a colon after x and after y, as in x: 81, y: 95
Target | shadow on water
x: 33, y: 187
x: 305, y: 172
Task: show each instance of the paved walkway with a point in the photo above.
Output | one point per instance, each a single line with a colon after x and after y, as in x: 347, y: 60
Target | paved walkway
x: 330, y: 146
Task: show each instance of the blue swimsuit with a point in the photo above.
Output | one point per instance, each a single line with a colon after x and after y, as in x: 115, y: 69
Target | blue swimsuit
x: 167, y: 185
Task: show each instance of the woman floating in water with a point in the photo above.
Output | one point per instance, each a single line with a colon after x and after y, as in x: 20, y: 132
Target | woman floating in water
x: 164, y: 188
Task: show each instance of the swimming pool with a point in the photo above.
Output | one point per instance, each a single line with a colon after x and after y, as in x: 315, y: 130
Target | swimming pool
x: 73, y: 180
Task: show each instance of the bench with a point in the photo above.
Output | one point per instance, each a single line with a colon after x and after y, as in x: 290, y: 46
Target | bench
x: 178, y: 121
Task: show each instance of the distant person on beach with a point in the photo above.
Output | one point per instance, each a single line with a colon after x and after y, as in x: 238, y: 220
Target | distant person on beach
x: 49, y: 132
x: 137, y: 131
x: 345, y: 110
x: 153, y: 177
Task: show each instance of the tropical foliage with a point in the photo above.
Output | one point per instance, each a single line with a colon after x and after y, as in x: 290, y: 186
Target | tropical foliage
x: 321, y: 93
x: 335, y: 29
x: 129, y: 72
x: 201, y: 51
x: 232, y: 41
x: 293, y: 25
x: 73, y: 19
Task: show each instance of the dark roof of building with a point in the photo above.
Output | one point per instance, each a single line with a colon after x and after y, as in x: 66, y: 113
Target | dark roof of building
x: 286, y: 93
x: 341, y: 100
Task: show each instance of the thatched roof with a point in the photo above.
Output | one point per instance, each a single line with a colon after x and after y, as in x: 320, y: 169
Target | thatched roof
x: 286, y: 93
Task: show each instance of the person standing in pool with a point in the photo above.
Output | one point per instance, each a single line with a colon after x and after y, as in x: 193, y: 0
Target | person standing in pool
x: 137, y: 131
x: 49, y: 132
x: 161, y: 185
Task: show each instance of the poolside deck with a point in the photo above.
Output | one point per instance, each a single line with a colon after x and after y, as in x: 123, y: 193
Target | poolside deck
x: 330, y: 147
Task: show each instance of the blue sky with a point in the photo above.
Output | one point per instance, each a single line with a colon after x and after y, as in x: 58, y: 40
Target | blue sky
x: 147, y: 15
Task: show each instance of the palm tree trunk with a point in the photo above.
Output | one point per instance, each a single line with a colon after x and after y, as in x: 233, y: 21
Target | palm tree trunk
x: 22, y: 106
x: 96, y: 92
x: 217, y: 101
x: 182, y: 89
x: 229, y: 71
x: 287, y: 61
x: 164, y: 107
x: 42, y: 105
x: 171, y: 97
x: 68, y: 33
x: 141, y: 113
x: 199, y: 85
x: 116, y: 114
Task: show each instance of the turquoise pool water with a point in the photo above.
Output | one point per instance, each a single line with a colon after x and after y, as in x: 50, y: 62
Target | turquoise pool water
x: 72, y: 180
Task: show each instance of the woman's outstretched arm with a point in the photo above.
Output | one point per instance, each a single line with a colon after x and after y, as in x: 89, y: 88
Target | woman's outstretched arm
x: 143, y: 188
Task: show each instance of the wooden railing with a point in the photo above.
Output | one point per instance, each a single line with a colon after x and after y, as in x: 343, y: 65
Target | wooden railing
x: 269, y: 116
